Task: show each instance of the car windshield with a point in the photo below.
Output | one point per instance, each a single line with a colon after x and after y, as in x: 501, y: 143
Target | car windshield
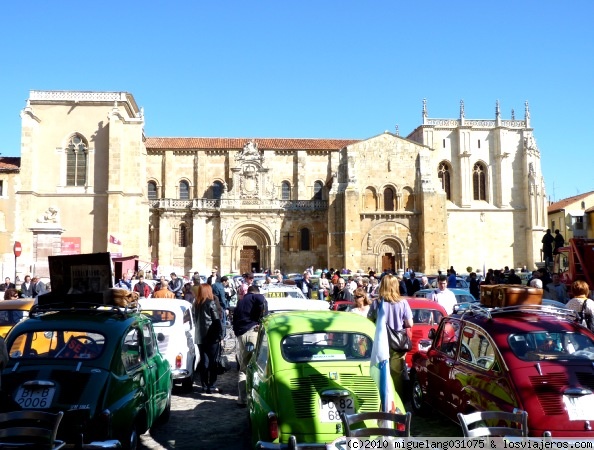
x: 160, y: 317
x: 558, y: 345
x: 464, y: 298
x: 426, y: 316
x: 61, y: 344
x: 334, y: 346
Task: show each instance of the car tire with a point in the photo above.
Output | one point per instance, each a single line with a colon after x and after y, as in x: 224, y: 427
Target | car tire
x: 417, y: 398
x: 132, y: 438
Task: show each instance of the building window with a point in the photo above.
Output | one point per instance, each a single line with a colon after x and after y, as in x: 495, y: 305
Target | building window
x: 286, y: 190
x: 479, y: 143
x: 217, y: 190
x: 304, y: 234
x: 389, y: 199
x: 318, y: 190
x: 444, y: 143
x: 1, y: 188
x: 184, y: 190
x: 479, y: 182
x: 152, y: 190
x: 76, y: 162
x: 183, y: 235
x: 443, y: 172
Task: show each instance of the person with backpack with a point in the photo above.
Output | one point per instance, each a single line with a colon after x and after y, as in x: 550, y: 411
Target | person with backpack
x: 581, y: 304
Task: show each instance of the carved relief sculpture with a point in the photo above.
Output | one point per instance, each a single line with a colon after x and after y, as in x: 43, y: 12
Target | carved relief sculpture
x: 49, y: 216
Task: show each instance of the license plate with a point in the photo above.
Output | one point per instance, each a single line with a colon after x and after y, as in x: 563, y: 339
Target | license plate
x: 579, y: 408
x: 330, y: 409
x: 37, y: 398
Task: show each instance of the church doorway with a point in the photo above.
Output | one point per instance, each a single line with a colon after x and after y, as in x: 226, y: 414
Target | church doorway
x: 388, y: 261
x: 249, y: 259
x: 390, y: 254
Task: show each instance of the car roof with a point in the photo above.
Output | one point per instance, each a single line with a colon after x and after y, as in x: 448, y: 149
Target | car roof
x: 105, y: 319
x: 419, y: 303
x: 276, y: 305
x: 169, y: 304
x: 520, y: 319
x: 23, y: 304
x: 282, y: 324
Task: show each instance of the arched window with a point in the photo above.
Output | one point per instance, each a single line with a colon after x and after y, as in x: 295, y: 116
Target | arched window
x: 318, y: 186
x: 479, y: 181
x: 183, y: 235
x: 443, y: 172
x: 217, y: 190
x: 304, y: 238
x: 389, y: 203
x: 369, y: 201
x: 77, y: 153
x: 184, y: 190
x: 152, y: 190
x: 286, y: 190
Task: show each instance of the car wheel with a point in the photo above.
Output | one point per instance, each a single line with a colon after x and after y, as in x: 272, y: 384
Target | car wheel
x: 417, y: 397
x: 131, y: 442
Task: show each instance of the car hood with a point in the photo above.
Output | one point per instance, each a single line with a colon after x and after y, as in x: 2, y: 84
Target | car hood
x: 555, y: 394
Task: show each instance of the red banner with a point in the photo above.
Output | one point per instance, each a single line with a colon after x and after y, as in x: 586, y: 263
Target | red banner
x: 70, y: 246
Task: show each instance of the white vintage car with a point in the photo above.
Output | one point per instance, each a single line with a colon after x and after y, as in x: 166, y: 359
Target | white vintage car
x: 282, y: 297
x: 174, y: 320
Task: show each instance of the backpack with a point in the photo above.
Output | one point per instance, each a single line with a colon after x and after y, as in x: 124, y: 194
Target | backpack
x: 585, y: 317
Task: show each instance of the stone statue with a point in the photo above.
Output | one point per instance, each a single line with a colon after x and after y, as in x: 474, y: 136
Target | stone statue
x: 224, y: 232
x: 49, y: 216
x: 368, y: 241
x: 530, y: 143
x: 276, y: 237
x: 408, y: 240
x: 250, y: 150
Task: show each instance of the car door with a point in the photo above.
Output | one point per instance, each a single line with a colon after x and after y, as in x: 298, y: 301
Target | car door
x: 441, y: 358
x: 155, y: 384
x: 478, y: 380
x: 259, y: 387
x: 193, y: 353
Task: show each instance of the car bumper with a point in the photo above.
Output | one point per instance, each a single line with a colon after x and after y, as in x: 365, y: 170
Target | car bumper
x: 179, y: 374
x: 297, y: 446
x: 97, y: 445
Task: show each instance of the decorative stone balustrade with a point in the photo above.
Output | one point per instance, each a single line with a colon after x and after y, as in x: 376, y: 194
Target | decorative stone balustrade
x: 201, y: 204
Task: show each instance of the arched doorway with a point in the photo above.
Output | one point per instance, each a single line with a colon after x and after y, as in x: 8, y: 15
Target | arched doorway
x: 251, y: 249
x: 390, y: 255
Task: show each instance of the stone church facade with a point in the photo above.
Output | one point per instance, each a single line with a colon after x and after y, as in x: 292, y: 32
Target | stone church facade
x: 455, y: 192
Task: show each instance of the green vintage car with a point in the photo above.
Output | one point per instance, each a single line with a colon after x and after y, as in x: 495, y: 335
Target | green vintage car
x: 308, y: 366
x: 99, y: 364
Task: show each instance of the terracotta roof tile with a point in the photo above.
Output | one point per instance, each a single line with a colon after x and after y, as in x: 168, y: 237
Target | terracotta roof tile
x: 561, y: 204
x: 238, y: 143
x: 10, y: 163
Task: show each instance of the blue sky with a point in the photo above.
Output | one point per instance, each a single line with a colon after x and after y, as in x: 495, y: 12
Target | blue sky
x: 326, y: 68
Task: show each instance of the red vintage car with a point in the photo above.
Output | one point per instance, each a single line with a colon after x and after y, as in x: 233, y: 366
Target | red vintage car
x: 426, y: 316
x: 533, y: 358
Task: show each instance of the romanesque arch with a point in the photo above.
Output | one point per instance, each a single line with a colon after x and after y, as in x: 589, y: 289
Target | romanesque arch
x: 390, y: 253
x: 251, y: 246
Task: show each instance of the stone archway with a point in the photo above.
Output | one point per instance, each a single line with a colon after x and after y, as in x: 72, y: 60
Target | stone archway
x: 390, y: 254
x: 251, y: 249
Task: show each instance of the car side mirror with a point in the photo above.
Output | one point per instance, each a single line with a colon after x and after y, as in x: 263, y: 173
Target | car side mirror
x: 249, y: 347
x: 432, y: 333
x: 160, y: 337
